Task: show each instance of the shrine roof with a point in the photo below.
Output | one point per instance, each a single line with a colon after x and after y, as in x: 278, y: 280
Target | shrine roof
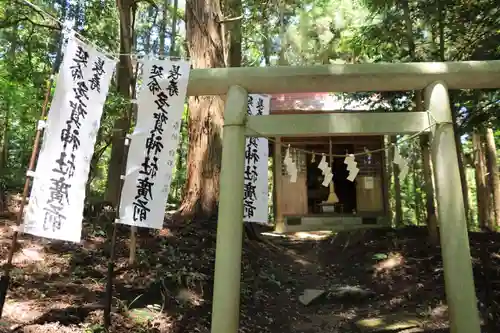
x: 314, y: 101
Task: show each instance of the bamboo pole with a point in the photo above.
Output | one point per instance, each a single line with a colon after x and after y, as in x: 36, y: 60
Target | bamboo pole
x: 112, y: 241
x: 226, y: 298
x: 459, y: 280
x: 4, y: 281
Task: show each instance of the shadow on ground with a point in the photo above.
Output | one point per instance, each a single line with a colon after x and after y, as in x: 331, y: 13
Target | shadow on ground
x: 170, y: 288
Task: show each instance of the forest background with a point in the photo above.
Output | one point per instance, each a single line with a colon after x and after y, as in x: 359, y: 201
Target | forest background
x: 253, y: 33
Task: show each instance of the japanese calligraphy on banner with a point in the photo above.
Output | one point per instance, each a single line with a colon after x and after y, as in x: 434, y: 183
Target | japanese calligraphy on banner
x: 255, y: 197
x: 154, y: 143
x: 55, y: 207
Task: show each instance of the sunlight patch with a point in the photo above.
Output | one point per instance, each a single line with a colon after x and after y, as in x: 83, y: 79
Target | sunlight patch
x: 393, y: 260
x: 21, y: 311
x: 312, y: 235
x: 188, y: 296
x: 34, y: 253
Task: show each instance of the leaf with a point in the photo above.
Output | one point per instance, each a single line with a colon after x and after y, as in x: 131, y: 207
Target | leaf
x: 380, y: 256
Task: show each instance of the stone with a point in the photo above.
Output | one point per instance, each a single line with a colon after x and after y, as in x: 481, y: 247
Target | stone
x: 350, y: 292
x: 310, y: 295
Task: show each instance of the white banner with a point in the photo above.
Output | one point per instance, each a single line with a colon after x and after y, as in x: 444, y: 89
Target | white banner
x: 255, y: 197
x: 55, y: 207
x: 154, y: 143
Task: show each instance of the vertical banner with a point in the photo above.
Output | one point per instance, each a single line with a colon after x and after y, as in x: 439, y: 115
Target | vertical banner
x: 255, y: 197
x: 55, y: 207
x: 154, y: 143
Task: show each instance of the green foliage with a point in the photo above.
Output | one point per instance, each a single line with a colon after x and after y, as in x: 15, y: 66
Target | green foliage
x: 29, y: 42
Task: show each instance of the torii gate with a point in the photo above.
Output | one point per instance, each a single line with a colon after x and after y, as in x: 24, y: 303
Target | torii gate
x: 434, y: 78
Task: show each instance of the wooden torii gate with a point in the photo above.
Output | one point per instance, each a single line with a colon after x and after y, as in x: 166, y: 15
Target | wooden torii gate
x: 434, y: 78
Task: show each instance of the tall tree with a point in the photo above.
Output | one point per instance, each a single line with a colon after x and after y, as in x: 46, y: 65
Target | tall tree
x: 398, y: 214
x: 385, y: 6
x: 441, y: 10
x: 206, y: 49
x: 4, y: 140
x: 173, y: 28
x: 126, y: 9
x: 491, y: 156
x: 231, y: 26
x: 482, y: 194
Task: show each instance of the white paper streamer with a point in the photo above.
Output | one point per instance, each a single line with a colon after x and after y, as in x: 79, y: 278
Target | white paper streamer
x: 290, y: 166
x: 402, y: 163
x: 403, y: 171
x: 256, y: 193
x: 323, y: 164
x: 351, y: 167
x: 154, y: 143
x: 328, y: 179
x: 55, y: 208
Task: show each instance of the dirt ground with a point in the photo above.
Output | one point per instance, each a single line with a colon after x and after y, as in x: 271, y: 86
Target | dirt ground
x: 59, y: 287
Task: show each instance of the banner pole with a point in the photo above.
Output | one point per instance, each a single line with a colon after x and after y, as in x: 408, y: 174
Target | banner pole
x: 112, y: 244
x: 5, y: 279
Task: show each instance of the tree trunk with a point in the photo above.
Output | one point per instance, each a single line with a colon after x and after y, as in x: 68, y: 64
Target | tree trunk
x: 389, y: 164
x: 492, y: 165
x: 441, y: 16
x: 100, y: 146
x: 416, y: 193
x: 173, y: 29
x: 463, y: 176
x: 205, y: 45
x: 430, y: 207
x: 432, y: 221
x: 398, y: 215
x: 231, y: 27
x: 483, y: 200
x: 266, y: 40
x: 152, y: 14
x: 124, y: 79
x: 122, y: 124
x: 4, y: 142
x: 162, y: 30
x: 409, y: 28
x: 180, y: 148
x: 424, y: 144
x: 283, y: 43
x: 4, y: 156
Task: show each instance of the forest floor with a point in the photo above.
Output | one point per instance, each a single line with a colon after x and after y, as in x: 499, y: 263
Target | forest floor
x: 370, y: 279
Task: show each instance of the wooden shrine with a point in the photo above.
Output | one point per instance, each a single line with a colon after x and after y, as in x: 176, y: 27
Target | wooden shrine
x: 308, y: 205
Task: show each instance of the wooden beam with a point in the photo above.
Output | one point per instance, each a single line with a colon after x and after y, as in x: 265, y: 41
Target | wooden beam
x: 362, y: 123
x: 345, y: 78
